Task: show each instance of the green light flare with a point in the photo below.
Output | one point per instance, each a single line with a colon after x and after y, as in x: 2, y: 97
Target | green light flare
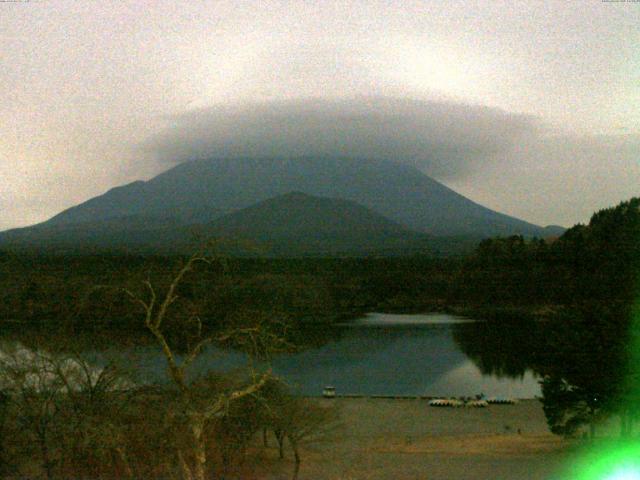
x: 631, y: 398
x: 616, y: 460
x: 612, y: 461
x: 624, y: 474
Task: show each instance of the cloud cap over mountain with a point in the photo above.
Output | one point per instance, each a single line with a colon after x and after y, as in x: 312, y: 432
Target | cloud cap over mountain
x: 447, y: 140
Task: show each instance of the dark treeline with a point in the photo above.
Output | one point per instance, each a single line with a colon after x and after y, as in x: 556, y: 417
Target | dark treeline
x: 588, y: 351
x: 589, y: 264
x: 89, y: 292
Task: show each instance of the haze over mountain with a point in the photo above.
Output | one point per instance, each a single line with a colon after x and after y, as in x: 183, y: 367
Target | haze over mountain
x: 390, y: 198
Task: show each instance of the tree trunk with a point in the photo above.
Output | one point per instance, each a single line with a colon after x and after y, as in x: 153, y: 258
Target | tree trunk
x: 44, y: 450
x: 184, y: 466
x: 199, y: 450
x: 296, y: 456
x: 592, y: 430
x: 125, y: 462
x: 280, y: 439
x: 264, y: 437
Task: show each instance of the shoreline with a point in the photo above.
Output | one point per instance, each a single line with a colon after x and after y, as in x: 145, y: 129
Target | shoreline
x: 383, y: 438
x: 348, y: 396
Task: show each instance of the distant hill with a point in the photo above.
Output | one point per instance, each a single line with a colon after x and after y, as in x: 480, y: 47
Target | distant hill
x: 205, y: 191
x: 297, y: 223
x: 552, y: 231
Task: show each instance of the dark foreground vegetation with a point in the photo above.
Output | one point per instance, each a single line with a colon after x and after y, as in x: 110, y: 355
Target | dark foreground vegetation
x: 564, y: 308
x: 65, y: 419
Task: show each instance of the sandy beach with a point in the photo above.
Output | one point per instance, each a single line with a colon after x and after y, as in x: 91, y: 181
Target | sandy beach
x: 408, y: 439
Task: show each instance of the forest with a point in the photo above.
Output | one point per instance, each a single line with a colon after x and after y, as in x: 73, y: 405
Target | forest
x: 589, y: 264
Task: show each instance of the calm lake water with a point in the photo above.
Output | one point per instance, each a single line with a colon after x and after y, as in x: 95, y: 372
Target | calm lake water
x: 399, y: 355
x: 383, y: 354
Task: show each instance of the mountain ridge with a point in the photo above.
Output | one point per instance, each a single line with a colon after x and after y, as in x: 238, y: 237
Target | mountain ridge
x: 232, y: 197
x: 193, y: 190
x: 292, y: 224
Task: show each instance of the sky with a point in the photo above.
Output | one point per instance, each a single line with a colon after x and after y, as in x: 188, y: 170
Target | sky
x: 531, y: 108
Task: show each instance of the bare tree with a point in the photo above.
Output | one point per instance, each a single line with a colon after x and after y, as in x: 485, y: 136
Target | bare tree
x: 196, y: 412
x: 296, y: 419
x: 64, y: 412
x: 33, y: 390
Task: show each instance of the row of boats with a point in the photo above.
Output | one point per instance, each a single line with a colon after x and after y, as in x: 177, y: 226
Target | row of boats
x: 479, y: 401
x: 471, y: 403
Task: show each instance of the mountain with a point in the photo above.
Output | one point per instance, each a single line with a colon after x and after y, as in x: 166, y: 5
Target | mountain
x: 207, y: 191
x: 552, y: 231
x: 202, y: 190
x: 293, y: 224
x: 297, y: 224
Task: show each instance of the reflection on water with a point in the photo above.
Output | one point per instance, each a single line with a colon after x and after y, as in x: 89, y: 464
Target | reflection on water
x: 504, y: 348
x: 396, y: 319
x: 468, y: 377
x: 384, y: 354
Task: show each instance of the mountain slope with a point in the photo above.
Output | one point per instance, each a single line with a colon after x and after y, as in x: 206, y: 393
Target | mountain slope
x: 131, y: 233
x: 200, y: 191
x: 292, y: 224
x: 297, y: 223
x: 297, y: 214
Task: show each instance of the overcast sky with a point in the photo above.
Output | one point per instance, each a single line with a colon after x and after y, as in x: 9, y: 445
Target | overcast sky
x: 531, y: 108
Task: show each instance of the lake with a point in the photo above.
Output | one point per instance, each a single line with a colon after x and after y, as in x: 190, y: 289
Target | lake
x: 387, y: 354
x: 380, y: 354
